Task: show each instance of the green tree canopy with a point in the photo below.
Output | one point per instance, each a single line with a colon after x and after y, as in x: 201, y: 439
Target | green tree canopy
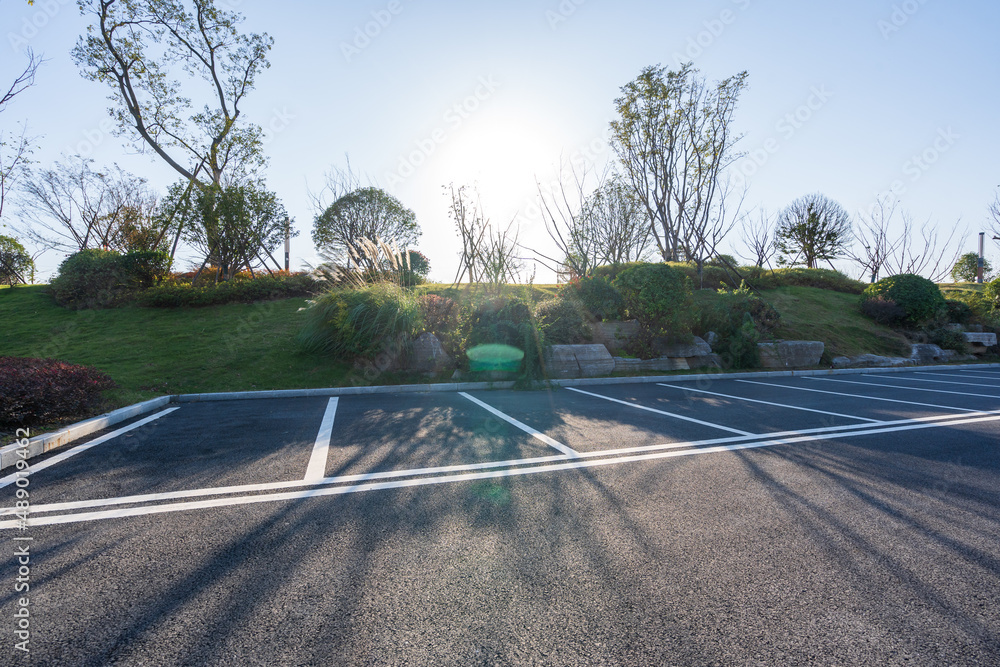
x: 368, y: 213
x: 16, y: 265
x: 811, y: 229
x: 966, y: 269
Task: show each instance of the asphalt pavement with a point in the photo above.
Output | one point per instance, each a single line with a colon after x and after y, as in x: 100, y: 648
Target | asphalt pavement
x: 850, y: 519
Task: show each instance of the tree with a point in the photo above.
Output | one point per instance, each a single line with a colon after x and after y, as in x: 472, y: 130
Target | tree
x: 368, y: 213
x: 14, y: 151
x: 72, y: 207
x: 810, y: 229
x: 758, y: 236
x: 489, y: 254
x: 674, y: 140
x: 234, y: 226
x: 135, y: 47
x: 16, y: 265
x: 966, y: 269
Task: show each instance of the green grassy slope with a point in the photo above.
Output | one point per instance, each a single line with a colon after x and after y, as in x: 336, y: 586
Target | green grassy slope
x: 808, y: 313
x: 151, y: 352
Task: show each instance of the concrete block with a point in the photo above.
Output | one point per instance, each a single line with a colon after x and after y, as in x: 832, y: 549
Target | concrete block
x: 572, y: 361
x: 979, y: 342
x: 790, y: 353
x: 696, y: 348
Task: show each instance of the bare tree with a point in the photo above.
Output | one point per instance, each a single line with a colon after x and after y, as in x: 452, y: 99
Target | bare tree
x: 758, y: 236
x: 71, y: 207
x: 703, y: 234
x: 925, y: 251
x: 674, y: 140
x: 622, y: 232
x: 489, y: 254
x: 14, y: 150
x: 872, y: 245
x: 569, y: 223
x: 135, y: 48
x: 995, y: 217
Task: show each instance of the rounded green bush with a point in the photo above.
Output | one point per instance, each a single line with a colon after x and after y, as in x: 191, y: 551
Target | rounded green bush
x: 562, y: 322
x: 360, y: 322
x: 917, y: 296
x: 659, y: 296
x: 596, y: 296
x: 95, y: 278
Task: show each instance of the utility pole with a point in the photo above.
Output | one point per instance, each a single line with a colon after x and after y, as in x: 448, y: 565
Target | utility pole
x: 288, y: 248
x: 982, y: 249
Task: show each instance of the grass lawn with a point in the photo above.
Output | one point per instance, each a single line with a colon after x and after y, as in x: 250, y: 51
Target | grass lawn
x: 808, y: 313
x: 151, y: 352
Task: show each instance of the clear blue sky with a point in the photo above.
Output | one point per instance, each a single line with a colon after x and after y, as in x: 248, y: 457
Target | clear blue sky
x: 887, y: 80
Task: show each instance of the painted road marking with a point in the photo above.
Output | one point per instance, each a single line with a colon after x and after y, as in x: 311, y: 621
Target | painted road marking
x: 364, y: 477
x: 778, y: 405
x: 867, y: 398
x: 896, y: 386
x: 963, y: 375
x: 661, y: 412
x: 450, y: 479
x: 35, y: 467
x: 962, y: 384
x: 524, y: 427
x: 316, y: 469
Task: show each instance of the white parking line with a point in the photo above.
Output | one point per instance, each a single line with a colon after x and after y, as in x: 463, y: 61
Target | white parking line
x: 896, y: 386
x: 912, y: 379
x: 961, y: 375
x: 868, y: 398
x: 661, y: 412
x: 819, y: 433
x: 524, y: 427
x: 450, y: 479
x: 777, y: 405
x: 316, y: 469
x: 35, y: 467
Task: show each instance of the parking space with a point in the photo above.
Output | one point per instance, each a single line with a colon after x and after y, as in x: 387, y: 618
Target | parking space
x: 401, y: 520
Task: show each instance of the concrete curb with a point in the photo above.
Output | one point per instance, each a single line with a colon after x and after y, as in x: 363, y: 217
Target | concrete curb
x: 47, y: 442
x: 41, y: 444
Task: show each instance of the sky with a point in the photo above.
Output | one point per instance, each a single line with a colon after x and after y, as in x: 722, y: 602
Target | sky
x: 852, y: 99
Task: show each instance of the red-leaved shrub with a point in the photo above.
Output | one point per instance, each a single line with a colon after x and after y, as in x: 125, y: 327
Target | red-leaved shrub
x: 36, y: 391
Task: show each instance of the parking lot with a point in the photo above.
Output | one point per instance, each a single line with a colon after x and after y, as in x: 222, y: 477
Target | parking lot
x: 781, y: 520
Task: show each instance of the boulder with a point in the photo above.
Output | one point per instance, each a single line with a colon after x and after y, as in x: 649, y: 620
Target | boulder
x: 871, y: 361
x: 661, y: 364
x: 790, y: 353
x: 428, y: 355
x: 614, y: 334
x: 696, y: 348
x: 573, y: 361
x: 926, y: 354
x: 707, y: 361
x: 711, y: 338
x: 980, y: 342
x: 948, y: 356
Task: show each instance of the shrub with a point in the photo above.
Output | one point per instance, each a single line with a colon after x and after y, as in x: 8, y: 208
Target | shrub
x: 104, y: 278
x: 918, y: 296
x: 596, y: 296
x: 836, y: 281
x: 713, y: 276
x: 562, y: 322
x: 37, y: 391
x: 440, y: 316
x: 947, y: 339
x: 610, y: 271
x: 505, y: 321
x: 991, y: 291
x: 360, y: 322
x: 241, y: 289
x: 725, y: 314
x: 659, y: 296
x: 884, y: 311
x: 958, y: 311
x: 740, y: 349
